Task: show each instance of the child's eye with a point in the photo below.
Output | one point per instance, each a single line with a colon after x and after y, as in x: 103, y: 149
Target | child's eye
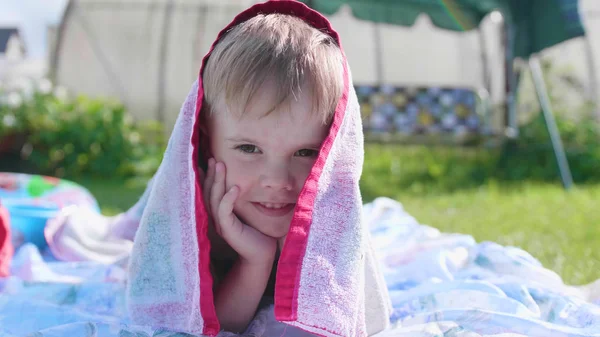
x: 307, y: 153
x: 248, y: 148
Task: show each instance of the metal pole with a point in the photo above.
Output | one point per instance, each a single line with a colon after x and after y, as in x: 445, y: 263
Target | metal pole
x: 162, y: 62
x: 557, y: 145
x: 485, y: 92
x: 200, y: 31
x: 591, y: 63
x: 60, y: 36
x: 487, y: 83
x: 113, y: 76
x: 378, y: 53
x: 512, y: 130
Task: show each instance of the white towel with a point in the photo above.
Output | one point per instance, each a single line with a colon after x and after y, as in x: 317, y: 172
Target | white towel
x: 327, y: 279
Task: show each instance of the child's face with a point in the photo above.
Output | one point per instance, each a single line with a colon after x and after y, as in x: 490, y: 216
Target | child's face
x: 267, y: 157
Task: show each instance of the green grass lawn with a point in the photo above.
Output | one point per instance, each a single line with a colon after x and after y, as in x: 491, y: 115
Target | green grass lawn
x: 114, y: 195
x: 559, y: 228
x: 453, y: 192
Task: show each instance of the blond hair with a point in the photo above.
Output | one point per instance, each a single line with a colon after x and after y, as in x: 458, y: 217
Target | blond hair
x: 279, y: 48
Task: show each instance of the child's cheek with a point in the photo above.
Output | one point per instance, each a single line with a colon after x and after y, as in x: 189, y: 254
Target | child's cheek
x: 240, y: 175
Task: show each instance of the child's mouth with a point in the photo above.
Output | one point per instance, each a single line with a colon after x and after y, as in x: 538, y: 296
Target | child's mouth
x: 273, y: 209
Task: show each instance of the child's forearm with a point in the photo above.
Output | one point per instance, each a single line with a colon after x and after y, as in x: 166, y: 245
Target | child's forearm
x: 238, y: 296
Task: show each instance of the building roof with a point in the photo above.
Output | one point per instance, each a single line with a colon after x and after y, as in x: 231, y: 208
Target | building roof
x: 5, y: 34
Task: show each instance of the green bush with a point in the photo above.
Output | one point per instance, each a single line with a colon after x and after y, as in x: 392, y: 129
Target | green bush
x: 394, y: 170
x: 532, y: 156
x: 80, y: 136
x: 423, y: 170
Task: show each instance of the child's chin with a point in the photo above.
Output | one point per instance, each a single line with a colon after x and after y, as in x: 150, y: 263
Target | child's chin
x: 274, y: 230
x: 275, y: 227
x: 276, y: 233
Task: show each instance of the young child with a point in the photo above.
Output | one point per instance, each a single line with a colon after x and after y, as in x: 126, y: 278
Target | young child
x: 274, y: 124
x: 266, y: 123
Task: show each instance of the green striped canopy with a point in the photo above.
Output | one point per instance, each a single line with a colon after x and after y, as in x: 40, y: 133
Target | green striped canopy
x: 538, y: 24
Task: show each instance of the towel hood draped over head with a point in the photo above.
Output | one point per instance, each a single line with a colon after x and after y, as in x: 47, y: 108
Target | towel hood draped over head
x: 327, y: 280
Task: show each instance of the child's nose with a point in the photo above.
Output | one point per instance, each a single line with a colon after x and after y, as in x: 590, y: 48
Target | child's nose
x: 277, y: 177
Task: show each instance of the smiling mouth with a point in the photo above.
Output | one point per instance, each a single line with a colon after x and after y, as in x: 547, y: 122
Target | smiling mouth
x: 274, y: 209
x: 273, y: 205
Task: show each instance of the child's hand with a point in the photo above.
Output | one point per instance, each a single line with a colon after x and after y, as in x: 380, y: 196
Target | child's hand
x: 251, y: 245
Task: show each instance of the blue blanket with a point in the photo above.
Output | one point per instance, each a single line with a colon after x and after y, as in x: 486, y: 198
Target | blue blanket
x: 440, y: 284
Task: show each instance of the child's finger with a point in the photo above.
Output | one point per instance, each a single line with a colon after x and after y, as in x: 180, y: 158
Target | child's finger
x: 201, y: 173
x: 226, y: 207
x: 217, y: 191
